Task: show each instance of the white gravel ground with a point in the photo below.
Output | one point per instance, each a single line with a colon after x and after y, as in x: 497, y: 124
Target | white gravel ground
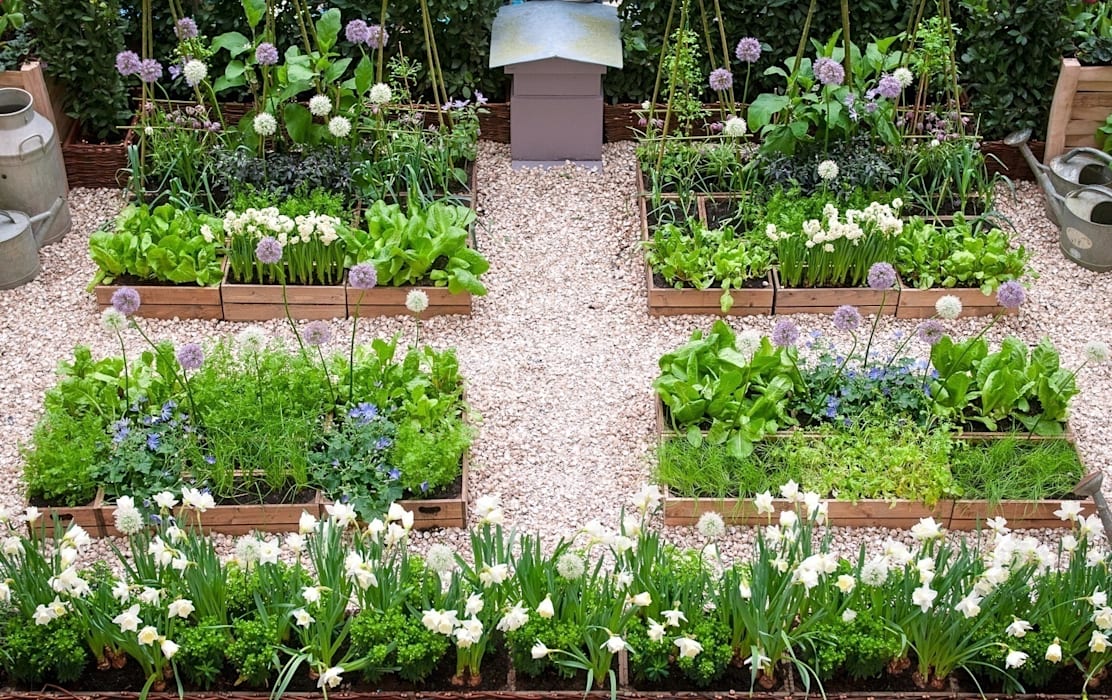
x: 560, y: 355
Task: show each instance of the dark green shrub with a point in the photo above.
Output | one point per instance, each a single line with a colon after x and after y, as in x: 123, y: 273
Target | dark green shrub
x: 77, y: 41
x: 1009, y: 60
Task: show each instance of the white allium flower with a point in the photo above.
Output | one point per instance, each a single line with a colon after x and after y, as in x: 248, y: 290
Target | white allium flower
x: 264, y: 124
x: 711, y: 525
x: 1096, y: 351
x: 194, y: 72
x: 113, y: 320
x: 948, y: 307
x: 250, y: 341
x: 735, y: 127
x: 748, y: 341
x: 339, y: 127
x: 570, y: 566
x: 128, y: 520
x: 904, y: 76
x: 380, y: 94
x: 441, y: 558
x: 416, y: 301
x: 320, y: 105
x: 828, y: 170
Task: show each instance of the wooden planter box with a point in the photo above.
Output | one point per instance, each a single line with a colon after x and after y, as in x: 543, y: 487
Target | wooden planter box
x: 669, y: 301
x: 233, y: 519
x: 895, y: 513
x: 429, y: 513
x: 919, y: 303
x: 169, y: 301
x: 89, y: 516
x: 390, y: 301
x: 262, y: 302
x: 1082, y: 101
x: 803, y: 300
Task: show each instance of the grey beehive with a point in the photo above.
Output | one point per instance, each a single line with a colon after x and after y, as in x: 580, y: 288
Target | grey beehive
x: 557, y: 53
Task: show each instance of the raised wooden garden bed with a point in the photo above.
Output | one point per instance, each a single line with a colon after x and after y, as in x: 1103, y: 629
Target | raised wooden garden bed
x: 390, y: 301
x: 89, y: 516
x: 169, y: 300
x: 429, y: 513
x: 805, y: 300
x: 919, y: 303
x: 262, y: 302
x: 1082, y: 101
x: 894, y: 513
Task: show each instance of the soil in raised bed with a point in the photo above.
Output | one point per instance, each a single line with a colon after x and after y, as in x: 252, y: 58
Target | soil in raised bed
x: 755, y: 283
x: 247, y: 497
x: 668, y: 212
x: 126, y: 280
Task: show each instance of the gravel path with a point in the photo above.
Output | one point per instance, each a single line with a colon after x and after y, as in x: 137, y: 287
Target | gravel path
x: 560, y: 355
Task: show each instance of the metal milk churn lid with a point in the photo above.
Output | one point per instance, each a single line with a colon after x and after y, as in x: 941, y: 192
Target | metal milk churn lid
x: 19, y: 253
x: 32, y: 173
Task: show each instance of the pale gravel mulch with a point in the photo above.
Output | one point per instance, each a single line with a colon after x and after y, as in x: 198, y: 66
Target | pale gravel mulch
x: 561, y: 354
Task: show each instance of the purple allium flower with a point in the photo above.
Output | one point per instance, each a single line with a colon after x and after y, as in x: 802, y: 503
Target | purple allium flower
x: 357, y: 31
x: 881, y: 277
x: 748, y: 50
x: 1011, y: 295
x: 266, y: 54
x: 785, y: 333
x: 378, y: 37
x: 127, y: 63
x: 191, y: 356
x: 363, y: 276
x: 150, y: 70
x: 317, y: 333
x: 930, y: 331
x: 889, y: 86
x: 185, y: 28
x: 847, y: 318
x: 721, y: 79
x: 126, y: 300
x: 269, y: 250
x: 829, y: 72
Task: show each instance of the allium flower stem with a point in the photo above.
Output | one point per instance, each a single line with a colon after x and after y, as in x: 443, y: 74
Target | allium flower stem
x: 172, y: 362
x: 127, y: 377
x: 327, y: 376
x: 351, y: 347
x: 872, y: 331
x: 833, y: 381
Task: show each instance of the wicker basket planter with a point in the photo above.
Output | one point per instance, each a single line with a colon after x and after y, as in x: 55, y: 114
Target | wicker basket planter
x: 96, y: 164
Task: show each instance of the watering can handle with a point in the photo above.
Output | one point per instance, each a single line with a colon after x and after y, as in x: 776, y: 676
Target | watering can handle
x: 6, y: 215
x: 1099, y: 189
x: 1054, y: 200
x: 1099, y: 155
